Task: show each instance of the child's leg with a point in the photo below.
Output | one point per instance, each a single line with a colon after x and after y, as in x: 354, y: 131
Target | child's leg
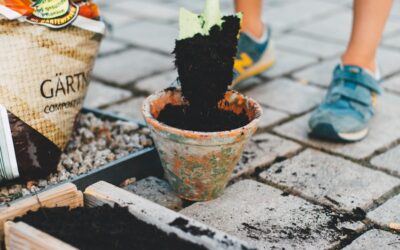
x: 350, y: 103
x: 252, y: 21
x: 369, y: 18
x: 255, y: 49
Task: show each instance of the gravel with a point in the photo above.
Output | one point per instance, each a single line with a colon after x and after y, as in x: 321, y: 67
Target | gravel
x: 95, y: 143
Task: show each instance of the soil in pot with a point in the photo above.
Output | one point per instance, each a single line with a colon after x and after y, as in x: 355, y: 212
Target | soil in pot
x: 103, y: 227
x: 205, y: 64
x: 214, y: 119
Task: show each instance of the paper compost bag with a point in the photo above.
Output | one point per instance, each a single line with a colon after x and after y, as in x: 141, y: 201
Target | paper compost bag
x: 47, y: 51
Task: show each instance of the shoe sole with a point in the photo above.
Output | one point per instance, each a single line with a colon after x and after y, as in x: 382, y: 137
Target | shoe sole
x: 356, y: 136
x: 326, y: 131
x: 265, y: 63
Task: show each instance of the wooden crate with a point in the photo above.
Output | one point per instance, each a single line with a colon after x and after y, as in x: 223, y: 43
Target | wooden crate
x: 22, y: 236
x: 19, y: 235
x: 60, y: 196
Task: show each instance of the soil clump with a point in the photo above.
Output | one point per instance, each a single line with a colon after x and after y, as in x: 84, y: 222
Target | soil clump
x: 205, y: 64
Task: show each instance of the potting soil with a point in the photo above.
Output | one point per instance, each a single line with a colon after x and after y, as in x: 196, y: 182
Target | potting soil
x: 212, y: 120
x: 103, y: 227
x: 205, y: 68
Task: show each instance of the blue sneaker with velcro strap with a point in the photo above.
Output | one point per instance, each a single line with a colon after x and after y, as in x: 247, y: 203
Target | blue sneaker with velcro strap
x: 348, y: 106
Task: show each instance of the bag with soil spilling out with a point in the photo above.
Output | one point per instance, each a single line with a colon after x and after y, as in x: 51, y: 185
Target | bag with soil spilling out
x: 47, y: 51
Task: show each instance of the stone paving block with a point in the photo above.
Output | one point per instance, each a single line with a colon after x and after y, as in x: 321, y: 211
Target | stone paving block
x: 274, y: 3
x: 269, y: 218
x: 395, y: 13
x: 131, y: 109
x: 127, y: 66
x: 337, y: 27
x: 156, y: 190
x: 262, y: 150
x: 100, y: 94
x: 249, y: 83
x: 393, y: 41
x: 331, y: 180
x: 375, y: 239
x: 270, y: 117
x: 157, y: 82
x: 194, y: 6
x: 384, y: 130
x: 156, y: 36
x: 389, y: 161
x: 147, y: 9
x: 287, y: 95
x: 116, y: 19
x: 287, y: 15
x: 388, y: 60
x: 197, y: 6
x: 321, y: 74
x: 334, y: 27
x: 109, y: 46
x: 308, y: 45
x: 392, y: 84
x: 287, y: 62
x: 387, y: 214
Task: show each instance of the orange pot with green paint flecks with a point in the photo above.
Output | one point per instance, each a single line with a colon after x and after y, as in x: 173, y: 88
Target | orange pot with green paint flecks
x: 198, y: 165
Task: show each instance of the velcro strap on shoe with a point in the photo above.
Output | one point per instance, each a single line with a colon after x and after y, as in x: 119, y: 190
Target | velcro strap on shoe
x: 359, y: 96
x: 364, y: 80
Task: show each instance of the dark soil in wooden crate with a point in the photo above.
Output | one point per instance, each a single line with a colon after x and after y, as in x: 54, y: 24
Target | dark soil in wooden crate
x: 103, y: 228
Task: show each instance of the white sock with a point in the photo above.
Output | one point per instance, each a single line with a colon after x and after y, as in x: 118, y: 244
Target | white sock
x: 262, y: 39
x: 376, y: 74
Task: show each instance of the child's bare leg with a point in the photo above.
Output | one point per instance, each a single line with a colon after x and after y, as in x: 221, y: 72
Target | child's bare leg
x: 350, y: 103
x: 369, y: 18
x: 252, y: 21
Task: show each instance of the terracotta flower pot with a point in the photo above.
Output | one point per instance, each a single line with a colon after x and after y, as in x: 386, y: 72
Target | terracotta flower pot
x: 198, y: 165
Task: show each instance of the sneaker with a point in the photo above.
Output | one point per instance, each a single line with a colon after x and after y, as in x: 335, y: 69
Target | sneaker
x: 348, y: 107
x: 253, y: 57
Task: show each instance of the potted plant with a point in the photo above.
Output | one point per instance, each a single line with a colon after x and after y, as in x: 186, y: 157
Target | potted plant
x: 200, y: 129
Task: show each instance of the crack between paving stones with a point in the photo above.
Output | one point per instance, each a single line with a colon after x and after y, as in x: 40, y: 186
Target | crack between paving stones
x: 130, y: 84
x: 141, y: 47
x: 292, y: 71
x: 309, y: 54
x: 394, y: 92
x: 375, y: 203
x: 319, y: 16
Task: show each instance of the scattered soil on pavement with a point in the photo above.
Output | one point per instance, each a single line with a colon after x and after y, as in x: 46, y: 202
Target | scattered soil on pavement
x: 103, y: 228
x: 320, y: 222
x: 183, y: 224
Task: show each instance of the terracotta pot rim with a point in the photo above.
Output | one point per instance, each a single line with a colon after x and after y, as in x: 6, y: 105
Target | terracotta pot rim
x: 198, y: 134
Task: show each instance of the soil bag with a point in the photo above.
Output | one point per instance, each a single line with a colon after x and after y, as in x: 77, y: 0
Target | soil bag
x: 47, y: 51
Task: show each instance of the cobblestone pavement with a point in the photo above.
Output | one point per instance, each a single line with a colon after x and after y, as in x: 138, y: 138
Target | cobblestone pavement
x: 289, y: 191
